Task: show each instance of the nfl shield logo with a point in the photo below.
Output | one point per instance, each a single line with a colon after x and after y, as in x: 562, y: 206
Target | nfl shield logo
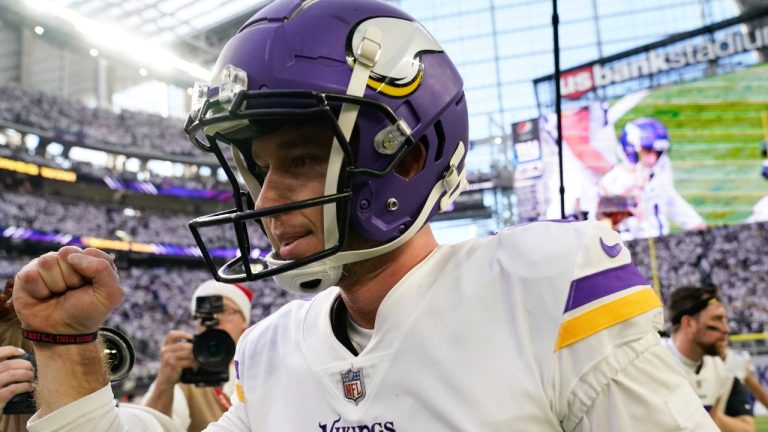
x: 354, y: 387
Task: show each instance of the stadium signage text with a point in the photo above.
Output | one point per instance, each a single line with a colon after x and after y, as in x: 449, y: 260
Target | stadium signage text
x: 575, y: 83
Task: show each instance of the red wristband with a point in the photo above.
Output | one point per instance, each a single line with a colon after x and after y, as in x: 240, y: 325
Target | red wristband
x: 58, y: 339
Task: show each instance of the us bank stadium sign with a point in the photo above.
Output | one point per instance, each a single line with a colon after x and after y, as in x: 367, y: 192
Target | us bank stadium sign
x: 702, y: 46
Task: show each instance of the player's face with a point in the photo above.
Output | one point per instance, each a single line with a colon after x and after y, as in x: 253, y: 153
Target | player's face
x: 722, y: 346
x: 618, y: 217
x: 294, y: 160
x: 711, y: 328
x: 648, y: 157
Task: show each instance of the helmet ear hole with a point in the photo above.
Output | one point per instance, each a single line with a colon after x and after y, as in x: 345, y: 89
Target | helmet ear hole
x: 413, y: 161
x: 440, y: 135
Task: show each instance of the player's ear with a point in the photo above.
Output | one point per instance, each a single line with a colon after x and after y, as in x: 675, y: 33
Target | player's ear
x: 413, y: 162
x: 686, y: 322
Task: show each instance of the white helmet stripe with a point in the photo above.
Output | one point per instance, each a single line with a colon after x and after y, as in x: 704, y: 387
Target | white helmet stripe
x: 368, y: 53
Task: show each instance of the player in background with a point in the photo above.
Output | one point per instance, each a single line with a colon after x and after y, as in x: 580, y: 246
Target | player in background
x: 618, y: 195
x: 739, y: 364
x: 760, y: 210
x: 699, y: 326
x: 645, y: 147
x: 348, y: 124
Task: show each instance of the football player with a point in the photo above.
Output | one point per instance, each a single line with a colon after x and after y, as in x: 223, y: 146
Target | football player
x: 645, y: 147
x: 760, y: 209
x: 699, y: 327
x: 347, y: 122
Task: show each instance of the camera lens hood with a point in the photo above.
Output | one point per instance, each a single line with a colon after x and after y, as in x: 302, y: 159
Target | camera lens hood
x: 213, y: 349
x: 119, y: 353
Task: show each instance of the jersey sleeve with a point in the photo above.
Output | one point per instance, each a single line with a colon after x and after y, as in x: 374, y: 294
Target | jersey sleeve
x: 681, y: 212
x: 94, y: 412
x: 647, y: 394
x: 606, y: 290
x: 609, y: 369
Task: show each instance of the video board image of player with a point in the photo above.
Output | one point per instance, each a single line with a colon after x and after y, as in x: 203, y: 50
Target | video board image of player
x: 646, y: 177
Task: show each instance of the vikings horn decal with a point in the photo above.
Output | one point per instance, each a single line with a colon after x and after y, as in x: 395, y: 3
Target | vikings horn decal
x: 400, y: 69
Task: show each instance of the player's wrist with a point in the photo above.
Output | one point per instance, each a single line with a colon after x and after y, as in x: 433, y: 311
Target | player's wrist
x: 41, y: 337
x: 167, y: 378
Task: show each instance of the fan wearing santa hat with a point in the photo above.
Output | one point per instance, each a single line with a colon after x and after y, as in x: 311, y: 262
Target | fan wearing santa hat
x: 192, y: 407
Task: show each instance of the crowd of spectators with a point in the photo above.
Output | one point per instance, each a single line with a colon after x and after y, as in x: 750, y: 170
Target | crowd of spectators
x: 70, y: 120
x: 733, y: 257
x: 78, y: 218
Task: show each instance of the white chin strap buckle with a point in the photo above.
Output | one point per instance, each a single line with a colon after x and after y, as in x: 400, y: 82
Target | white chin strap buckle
x: 309, y: 279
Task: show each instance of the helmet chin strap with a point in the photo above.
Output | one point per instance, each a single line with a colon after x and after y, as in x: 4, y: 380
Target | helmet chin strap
x: 367, y: 54
x: 315, y: 277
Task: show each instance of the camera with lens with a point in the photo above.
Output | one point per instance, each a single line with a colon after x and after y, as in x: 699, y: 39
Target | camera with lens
x: 118, y: 351
x: 212, y: 348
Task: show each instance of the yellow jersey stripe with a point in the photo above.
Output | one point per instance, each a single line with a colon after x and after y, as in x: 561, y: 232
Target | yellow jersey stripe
x: 240, y: 393
x: 601, y: 317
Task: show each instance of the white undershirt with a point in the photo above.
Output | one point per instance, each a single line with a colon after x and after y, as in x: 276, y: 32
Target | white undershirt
x: 360, y: 337
x: 688, y: 363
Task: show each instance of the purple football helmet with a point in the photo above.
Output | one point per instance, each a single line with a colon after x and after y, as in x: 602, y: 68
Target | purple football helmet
x: 381, y: 82
x: 643, y: 133
x: 764, y: 153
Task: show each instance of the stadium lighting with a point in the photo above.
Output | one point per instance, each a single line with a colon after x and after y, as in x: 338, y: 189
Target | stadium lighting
x: 110, y: 37
x: 497, y: 140
x: 143, y: 72
x: 39, y: 30
x: 93, y: 52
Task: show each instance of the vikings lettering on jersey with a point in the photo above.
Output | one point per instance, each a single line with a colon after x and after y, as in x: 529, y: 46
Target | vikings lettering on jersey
x: 336, y: 426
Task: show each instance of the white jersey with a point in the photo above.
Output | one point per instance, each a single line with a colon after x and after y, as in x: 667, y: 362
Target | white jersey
x: 543, y: 327
x: 739, y: 363
x: 759, y: 211
x: 709, y: 378
x: 99, y: 412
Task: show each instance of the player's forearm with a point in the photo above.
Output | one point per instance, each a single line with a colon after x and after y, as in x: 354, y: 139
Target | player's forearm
x: 161, y: 398
x: 757, y: 390
x: 66, y: 373
x: 742, y: 423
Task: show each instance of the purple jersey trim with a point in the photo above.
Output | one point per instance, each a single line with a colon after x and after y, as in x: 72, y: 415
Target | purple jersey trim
x: 598, y: 285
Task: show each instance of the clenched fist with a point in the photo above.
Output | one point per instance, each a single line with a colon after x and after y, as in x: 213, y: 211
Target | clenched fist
x: 70, y: 291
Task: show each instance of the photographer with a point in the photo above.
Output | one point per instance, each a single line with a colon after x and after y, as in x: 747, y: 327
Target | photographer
x: 191, y: 405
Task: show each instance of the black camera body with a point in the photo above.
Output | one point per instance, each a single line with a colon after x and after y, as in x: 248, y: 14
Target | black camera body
x: 118, y: 351
x: 212, y: 348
